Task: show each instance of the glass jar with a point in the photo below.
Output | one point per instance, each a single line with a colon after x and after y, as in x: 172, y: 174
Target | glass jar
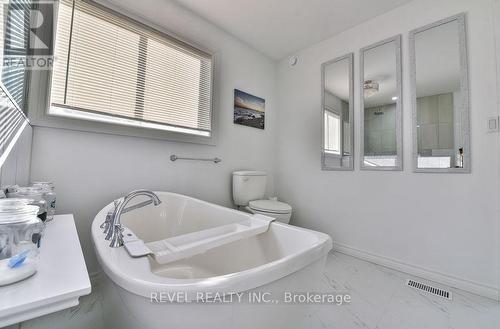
x: 34, y: 193
x: 20, y: 232
x: 26, y: 202
x: 50, y: 197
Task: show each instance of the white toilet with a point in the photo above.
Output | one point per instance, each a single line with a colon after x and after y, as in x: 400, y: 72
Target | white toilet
x: 249, y: 190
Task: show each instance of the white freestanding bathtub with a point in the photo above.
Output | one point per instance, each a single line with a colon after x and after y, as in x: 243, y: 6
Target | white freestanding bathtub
x: 241, y: 284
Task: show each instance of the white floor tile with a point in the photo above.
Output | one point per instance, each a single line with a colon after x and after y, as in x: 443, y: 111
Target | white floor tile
x: 379, y: 300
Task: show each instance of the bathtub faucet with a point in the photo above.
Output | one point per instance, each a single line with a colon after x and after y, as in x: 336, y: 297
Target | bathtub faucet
x: 115, y: 233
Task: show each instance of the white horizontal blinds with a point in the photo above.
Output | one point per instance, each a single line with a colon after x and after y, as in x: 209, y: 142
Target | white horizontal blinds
x: 102, y: 68
x: 11, y: 121
x: 175, y: 86
x: 61, y: 51
x: 108, y: 64
x: 14, y: 36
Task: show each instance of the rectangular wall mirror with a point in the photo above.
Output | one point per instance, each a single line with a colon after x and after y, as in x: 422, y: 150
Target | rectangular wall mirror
x: 440, y: 96
x: 337, y: 114
x: 380, y: 103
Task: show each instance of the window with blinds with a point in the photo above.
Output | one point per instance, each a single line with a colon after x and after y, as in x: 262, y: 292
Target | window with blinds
x: 12, y: 124
x: 14, y: 47
x: 14, y: 37
x: 112, y: 69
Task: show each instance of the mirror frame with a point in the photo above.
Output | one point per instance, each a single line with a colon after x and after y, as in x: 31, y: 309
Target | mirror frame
x: 464, y: 90
x: 399, y: 105
x: 350, y: 59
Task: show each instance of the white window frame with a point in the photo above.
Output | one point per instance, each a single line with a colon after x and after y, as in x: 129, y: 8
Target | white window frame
x: 40, y: 85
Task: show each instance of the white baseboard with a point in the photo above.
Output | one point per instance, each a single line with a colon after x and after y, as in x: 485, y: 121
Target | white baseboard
x: 449, y: 280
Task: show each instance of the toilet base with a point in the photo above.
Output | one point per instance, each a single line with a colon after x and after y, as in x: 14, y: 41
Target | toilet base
x: 283, y: 218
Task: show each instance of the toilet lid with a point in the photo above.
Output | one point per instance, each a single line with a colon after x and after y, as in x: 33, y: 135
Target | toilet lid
x: 276, y: 207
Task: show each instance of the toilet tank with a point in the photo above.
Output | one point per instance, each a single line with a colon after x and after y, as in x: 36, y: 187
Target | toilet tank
x: 248, y: 186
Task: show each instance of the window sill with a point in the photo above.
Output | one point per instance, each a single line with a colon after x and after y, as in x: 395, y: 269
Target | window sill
x: 59, y: 122
x: 80, y: 115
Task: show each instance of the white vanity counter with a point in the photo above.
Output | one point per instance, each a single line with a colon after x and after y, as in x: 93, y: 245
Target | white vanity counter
x: 61, y: 278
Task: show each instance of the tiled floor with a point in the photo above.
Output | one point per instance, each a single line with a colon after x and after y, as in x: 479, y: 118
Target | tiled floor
x: 380, y: 300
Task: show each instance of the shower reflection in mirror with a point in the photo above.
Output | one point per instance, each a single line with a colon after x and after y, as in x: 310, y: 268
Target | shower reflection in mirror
x: 380, y: 103
x: 438, y: 56
x: 337, y: 114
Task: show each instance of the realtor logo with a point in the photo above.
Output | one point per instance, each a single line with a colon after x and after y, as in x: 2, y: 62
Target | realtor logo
x: 26, y: 34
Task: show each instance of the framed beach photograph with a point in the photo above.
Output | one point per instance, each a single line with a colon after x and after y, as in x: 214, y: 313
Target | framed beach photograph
x: 249, y: 110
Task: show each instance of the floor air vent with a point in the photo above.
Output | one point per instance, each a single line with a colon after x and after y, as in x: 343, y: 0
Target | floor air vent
x: 430, y: 289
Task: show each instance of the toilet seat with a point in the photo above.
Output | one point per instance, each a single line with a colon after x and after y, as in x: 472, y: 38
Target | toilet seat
x: 270, y: 206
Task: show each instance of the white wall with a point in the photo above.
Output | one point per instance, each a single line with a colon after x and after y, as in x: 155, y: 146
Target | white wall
x: 90, y: 170
x: 496, y: 20
x: 440, y: 223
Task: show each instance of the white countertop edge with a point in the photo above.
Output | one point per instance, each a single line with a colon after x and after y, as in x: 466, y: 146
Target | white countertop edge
x: 40, y: 306
x: 44, y: 303
x: 35, y: 312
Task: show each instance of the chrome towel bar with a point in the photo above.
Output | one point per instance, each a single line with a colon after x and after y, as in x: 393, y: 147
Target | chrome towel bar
x: 174, y: 157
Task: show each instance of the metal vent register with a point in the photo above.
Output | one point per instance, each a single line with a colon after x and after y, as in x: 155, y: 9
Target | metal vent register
x: 429, y: 289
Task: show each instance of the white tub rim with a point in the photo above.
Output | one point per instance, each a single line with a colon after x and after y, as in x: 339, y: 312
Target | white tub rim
x: 135, y: 275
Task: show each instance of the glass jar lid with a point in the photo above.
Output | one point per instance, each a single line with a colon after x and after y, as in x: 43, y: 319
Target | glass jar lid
x: 17, y: 213
x: 15, y: 202
x: 35, y: 191
x: 45, y: 185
